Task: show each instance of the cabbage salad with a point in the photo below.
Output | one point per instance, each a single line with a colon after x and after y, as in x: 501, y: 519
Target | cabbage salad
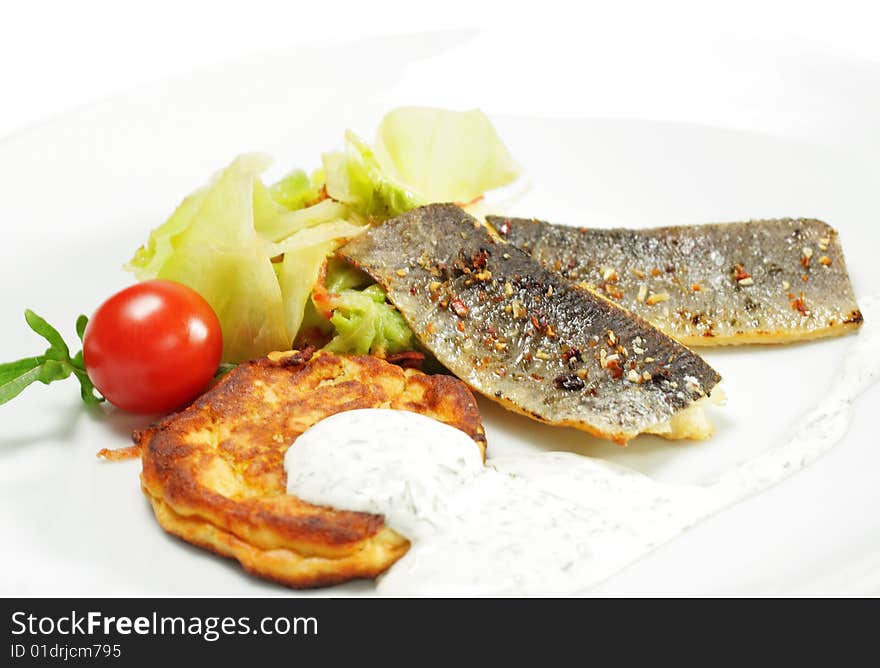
x: 262, y: 255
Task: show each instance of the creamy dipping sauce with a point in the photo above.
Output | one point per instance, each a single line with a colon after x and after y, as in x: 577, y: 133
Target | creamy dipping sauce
x: 549, y: 523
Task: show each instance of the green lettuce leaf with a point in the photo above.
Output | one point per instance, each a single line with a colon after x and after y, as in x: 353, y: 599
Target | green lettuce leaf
x: 366, y: 323
x: 282, y: 224
x: 304, y: 254
x: 296, y: 189
x: 266, y: 208
x: 343, y: 276
x: 354, y: 177
x: 441, y: 155
x: 150, y: 257
x: 255, y: 252
x: 210, y: 244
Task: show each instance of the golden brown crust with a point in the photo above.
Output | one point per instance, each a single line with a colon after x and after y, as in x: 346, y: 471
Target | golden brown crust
x: 281, y: 565
x: 214, y: 472
x: 120, y: 454
x: 776, y: 337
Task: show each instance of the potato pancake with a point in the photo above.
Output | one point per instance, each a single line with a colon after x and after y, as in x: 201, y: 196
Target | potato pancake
x: 214, y: 472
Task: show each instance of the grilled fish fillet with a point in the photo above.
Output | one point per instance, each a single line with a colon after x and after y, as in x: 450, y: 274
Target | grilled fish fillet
x: 214, y: 472
x: 764, y: 281
x: 526, y: 337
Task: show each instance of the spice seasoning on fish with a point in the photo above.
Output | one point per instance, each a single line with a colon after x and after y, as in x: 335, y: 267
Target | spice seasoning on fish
x: 532, y: 323
x: 800, y: 305
x: 569, y: 381
x: 458, y: 306
x: 657, y: 298
x: 731, y: 295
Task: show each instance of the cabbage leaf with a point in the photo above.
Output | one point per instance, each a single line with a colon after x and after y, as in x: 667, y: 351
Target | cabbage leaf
x: 296, y: 189
x: 441, y: 155
x: 255, y: 252
x: 366, y: 323
x: 355, y: 177
x: 209, y: 243
x: 304, y: 256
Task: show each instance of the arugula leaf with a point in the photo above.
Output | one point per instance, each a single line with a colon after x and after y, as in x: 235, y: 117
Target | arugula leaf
x: 44, y: 329
x: 12, y: 370
x: 55, y: 364
x: 87, y: 391
x: 223, y: 369
x: 14, y: 383
x: 81, y: 323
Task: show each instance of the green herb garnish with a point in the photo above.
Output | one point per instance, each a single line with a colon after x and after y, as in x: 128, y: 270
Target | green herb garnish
x: 55, y: 364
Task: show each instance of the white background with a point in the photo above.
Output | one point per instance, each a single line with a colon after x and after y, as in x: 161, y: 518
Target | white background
x: 635, y: 59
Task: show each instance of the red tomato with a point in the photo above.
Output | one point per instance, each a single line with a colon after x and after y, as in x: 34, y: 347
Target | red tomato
x: 152, y: 347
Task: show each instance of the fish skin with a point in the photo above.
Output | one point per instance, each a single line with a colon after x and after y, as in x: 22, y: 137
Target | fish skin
x: 491, y: 314
x: 723, y: 310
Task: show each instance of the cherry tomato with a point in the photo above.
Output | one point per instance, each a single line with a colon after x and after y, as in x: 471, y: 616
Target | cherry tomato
x: 152, y: 347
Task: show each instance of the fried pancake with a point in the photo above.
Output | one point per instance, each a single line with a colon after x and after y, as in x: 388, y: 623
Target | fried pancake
x: 214, y: 472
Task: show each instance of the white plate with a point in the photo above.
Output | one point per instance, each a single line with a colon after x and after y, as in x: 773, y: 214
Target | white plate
x: 79, y: 194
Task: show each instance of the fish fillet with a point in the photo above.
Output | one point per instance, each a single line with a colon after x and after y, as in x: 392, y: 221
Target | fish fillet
x: 764, y: 281
x: 526, y: 337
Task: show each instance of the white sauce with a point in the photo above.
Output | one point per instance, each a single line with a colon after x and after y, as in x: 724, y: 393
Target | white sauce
x: 550, y: 523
